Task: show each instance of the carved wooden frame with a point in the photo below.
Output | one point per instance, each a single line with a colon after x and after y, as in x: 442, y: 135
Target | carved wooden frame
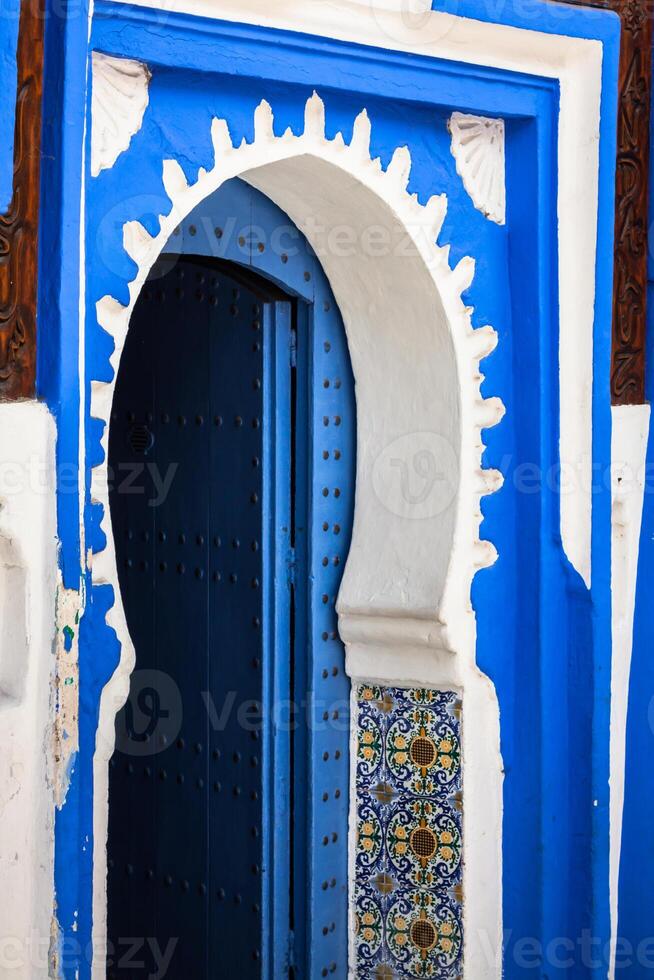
x: 19, y: 225
x: 632, y: 198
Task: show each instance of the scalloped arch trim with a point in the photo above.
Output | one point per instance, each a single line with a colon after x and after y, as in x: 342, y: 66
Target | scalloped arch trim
x: 416, y: 360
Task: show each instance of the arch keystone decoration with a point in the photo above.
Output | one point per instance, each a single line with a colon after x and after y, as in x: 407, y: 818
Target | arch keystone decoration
x: 404, y: 606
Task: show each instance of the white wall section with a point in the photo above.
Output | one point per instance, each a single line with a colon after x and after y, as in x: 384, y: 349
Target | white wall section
x: 28, y: 584
x: 628, y: 471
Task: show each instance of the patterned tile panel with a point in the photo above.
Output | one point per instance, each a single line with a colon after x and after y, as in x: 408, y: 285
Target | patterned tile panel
x: 408, y: 892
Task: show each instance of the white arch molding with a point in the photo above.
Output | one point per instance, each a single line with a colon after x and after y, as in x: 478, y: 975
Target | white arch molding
x: 404, y: 606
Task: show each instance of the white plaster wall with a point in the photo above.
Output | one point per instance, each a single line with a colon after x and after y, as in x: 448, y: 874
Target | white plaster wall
x: 628, y: 453
x: 28, y: 583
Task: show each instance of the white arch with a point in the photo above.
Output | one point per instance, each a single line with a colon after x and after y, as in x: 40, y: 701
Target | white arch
x: 404, y: 605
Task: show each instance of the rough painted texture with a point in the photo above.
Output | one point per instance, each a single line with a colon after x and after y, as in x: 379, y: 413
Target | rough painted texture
x: 66, y: 737
x: 28, y: 578
x: 478, y: 148
x: 120, y: 97
x: 408, y: 850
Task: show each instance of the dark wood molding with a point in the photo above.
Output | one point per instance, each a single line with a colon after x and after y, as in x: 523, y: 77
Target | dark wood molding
x: 632, y: 205
x: 19, y: 226
x: 632, y: 198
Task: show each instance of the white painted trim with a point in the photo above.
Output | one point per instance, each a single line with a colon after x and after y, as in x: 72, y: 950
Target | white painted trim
x: 628, y: 471
x: 404, y: 603
x: 577, y: 64
x: 28, y: 589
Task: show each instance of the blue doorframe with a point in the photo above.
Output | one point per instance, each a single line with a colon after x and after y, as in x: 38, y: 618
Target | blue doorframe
x: 300, y: 522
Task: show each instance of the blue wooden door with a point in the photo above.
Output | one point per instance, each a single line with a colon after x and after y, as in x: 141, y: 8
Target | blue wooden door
x: 232, y: 453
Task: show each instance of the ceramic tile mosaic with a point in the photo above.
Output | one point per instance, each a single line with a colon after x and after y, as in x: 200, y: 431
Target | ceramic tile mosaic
x: 408, y: 890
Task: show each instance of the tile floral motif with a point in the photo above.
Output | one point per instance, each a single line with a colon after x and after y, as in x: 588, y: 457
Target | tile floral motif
x: 409, y: 851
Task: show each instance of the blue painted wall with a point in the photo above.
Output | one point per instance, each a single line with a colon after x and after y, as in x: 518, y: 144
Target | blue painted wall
x: 551, y: 672
x: 9, y: 17
x: 64, y: 113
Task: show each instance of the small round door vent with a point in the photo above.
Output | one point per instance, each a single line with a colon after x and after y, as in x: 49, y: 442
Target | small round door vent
x: 140, y: 439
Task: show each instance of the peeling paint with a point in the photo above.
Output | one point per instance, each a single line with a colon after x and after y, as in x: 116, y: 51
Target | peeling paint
x: 54, y: 959
x: 66, y: 688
